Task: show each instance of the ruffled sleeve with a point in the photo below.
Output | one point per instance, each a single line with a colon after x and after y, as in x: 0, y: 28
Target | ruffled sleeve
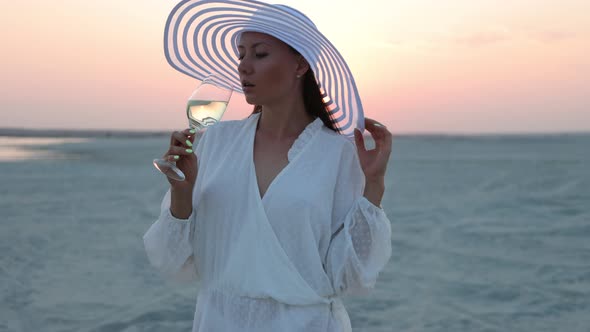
x: 360, y: 245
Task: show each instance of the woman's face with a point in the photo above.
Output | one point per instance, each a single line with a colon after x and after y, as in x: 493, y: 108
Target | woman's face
x: 268, y: 68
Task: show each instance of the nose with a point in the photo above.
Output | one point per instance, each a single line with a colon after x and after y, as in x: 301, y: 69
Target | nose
x: 244, y: 67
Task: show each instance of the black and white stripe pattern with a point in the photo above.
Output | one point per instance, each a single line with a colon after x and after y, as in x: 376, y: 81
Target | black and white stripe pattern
x: 200, y: 38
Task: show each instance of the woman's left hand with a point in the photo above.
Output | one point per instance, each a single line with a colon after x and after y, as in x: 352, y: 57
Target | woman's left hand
x: 374, y: 162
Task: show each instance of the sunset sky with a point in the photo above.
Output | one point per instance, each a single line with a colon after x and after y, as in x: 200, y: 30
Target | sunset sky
x: 421, y: 65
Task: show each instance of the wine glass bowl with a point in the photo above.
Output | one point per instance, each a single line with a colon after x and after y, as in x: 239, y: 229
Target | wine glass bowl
x: 205, y: 107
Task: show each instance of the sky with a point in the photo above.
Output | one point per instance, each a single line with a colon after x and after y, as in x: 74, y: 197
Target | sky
x: 421, y: 66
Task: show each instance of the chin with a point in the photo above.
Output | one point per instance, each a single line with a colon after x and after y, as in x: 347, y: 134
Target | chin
x: 252, y: 100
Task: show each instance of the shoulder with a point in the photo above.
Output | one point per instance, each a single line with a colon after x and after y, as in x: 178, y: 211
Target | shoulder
x: 332, y: 147
x: 340, y: 152
x: 335, y: 141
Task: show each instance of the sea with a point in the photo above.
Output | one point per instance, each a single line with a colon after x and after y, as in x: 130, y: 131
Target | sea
x: 489, y: 233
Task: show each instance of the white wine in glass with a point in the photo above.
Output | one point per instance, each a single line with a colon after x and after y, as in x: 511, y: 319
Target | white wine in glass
x: 205, y: 107
x: 203, y: 113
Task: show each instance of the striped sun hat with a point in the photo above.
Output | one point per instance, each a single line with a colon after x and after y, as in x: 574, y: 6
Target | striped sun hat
x: 201, y: 38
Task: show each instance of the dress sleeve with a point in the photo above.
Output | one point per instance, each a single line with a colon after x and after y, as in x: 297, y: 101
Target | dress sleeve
x: 168, y: 241
x: 168, y: 244
x: 360, y: 245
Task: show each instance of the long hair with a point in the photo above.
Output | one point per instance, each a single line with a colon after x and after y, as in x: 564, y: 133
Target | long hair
x: 312, y: 99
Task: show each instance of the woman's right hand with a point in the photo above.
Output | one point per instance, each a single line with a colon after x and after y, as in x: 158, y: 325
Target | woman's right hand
x: 181, y: 151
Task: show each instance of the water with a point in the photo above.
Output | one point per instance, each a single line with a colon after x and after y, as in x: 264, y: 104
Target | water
x: 489, y: 234
x: 23, y: 148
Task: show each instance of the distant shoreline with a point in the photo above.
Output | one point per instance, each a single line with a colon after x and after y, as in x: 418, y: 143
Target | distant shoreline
x: 115, y: 133
x: 79, y: 133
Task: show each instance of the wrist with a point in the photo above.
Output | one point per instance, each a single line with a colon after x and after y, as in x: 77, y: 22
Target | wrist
x: 181, y: 202
x: 374, y: 191
x: 375, y: 181
x: 181, y: 191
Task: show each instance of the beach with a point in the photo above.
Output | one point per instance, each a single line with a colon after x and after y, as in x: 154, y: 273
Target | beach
x: 490, y: 233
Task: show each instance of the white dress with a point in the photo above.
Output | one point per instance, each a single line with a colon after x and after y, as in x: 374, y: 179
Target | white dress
x: 280, y: 262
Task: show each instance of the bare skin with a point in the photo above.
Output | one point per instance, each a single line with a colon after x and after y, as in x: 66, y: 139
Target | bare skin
x: 276, y: 72
x: 270, y: 157
x: 181, y: 192
x: 273, y: 68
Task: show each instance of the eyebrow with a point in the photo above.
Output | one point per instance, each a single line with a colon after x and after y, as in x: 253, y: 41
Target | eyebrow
x: 253, y: 45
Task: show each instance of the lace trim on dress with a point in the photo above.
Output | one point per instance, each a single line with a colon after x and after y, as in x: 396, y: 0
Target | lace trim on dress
x: 304, y: 138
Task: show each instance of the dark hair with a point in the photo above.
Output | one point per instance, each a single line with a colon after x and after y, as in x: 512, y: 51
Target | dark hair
x: 312, y: 99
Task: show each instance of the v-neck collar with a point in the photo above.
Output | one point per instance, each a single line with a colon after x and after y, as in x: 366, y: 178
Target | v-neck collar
x: 297, y: 148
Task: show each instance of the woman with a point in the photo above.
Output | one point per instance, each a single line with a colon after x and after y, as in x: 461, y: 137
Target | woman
x: 279, y: 213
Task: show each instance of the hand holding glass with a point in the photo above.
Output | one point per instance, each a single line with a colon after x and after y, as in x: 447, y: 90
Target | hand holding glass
x: 205, y: 107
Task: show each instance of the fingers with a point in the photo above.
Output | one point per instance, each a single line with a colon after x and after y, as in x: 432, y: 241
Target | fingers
x: 372, y: 123
x: 359, y: 141
x: 181, y: 144
x: 380, y: 134
x: 172, y: 157
x: 177, y: 151
x: 180, y: 151
x: 183, y: 138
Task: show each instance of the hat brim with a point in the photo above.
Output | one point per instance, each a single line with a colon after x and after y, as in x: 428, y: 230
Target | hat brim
x: 200, y: 38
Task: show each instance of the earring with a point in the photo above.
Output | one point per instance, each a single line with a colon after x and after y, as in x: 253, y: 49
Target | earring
x: 298, y: 76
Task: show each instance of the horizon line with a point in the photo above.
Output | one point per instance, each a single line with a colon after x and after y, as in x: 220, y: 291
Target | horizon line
x: 105, y: 132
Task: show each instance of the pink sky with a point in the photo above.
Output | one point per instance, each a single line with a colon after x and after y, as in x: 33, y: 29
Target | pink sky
x: 421, y: 66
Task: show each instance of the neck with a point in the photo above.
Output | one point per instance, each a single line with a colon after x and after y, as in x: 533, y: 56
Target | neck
x: 285, y: 119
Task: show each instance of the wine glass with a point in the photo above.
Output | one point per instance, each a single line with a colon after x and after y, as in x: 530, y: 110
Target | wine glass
x: 204, y: 108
